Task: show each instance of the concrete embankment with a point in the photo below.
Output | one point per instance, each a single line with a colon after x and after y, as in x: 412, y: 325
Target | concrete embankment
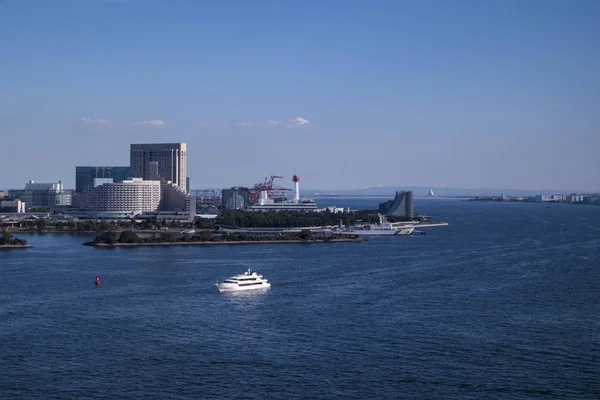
x: 105, y: 245
x: 15, y: 246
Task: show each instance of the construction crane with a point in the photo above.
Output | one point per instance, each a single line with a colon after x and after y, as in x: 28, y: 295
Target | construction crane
x: 268, y: 186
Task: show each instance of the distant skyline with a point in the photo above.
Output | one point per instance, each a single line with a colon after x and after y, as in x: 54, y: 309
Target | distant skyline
x: 349, y: 94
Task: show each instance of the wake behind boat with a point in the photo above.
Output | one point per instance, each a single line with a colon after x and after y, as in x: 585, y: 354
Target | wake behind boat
x: 246, y: 281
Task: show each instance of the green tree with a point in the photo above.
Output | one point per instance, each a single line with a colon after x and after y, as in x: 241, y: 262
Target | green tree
x: 206, y: 236
x: 305, y: 234
x: 129, y: 237
x: 108, y: 237
x: 41, y: 225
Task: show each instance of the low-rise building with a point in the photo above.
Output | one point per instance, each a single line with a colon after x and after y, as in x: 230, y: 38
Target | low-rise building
x: 12, y: 206
x: 553, y: 197
x: 43, y: 195
x: 574, y: 198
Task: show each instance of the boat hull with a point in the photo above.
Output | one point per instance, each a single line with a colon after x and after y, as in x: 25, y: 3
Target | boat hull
x: 229, y: 287
x: 374, y: 232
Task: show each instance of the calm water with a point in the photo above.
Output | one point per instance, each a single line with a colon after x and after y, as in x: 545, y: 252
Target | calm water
x: 503, y: 303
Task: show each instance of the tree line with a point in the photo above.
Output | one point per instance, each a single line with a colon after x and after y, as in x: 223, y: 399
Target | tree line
x: 286, y: 219
x: 7, y: 239
x: 130, y: 237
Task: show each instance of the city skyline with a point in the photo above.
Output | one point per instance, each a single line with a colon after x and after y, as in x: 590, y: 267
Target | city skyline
x: 349, y: 94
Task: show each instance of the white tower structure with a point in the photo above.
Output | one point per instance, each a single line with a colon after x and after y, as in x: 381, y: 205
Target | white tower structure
x: 296, y: 180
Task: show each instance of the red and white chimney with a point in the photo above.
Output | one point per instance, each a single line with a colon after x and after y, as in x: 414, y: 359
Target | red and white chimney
x: 296, y: 179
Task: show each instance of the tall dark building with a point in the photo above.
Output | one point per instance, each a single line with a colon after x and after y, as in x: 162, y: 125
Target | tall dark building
x: 171, y: 159
x: 84, y: 176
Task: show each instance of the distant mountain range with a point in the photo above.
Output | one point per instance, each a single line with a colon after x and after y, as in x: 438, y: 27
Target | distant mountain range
x: 424, y: 191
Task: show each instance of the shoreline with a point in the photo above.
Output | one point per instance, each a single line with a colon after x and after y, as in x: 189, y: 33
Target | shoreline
x: 15, y: 246
x: 425, y: 225
x: 105, y: 245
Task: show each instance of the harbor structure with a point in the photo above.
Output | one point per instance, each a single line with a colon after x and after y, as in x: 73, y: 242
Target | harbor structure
x: 266, y: 203
x: 167, y: 160
x: 87, y: 177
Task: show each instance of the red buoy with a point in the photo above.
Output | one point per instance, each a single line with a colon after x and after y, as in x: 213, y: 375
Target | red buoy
x: 97, y: 282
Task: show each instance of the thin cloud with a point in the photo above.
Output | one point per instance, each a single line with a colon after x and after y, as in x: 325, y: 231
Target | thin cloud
x: 289, y: 123
x: 153, y: 122
x: 95, y: 122
x: 202, y: 123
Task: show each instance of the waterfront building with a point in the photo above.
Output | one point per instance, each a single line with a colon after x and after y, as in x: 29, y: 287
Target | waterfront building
x: 12, y: 206
x: 135, y: 196
x: 236, y: 198
x: 1, y: 194
x: 46, y: 195
x: 574, y: 198
x: 402, y: 205
x: 554, y: 197
x: 130, y: 196
x: 87, y: 177
x: 176, y: 199
x: 170, y: 158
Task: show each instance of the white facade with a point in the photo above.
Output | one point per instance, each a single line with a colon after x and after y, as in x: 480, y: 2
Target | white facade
x: 135, y: 196
x: 555, y: 197
x: 574, y: 198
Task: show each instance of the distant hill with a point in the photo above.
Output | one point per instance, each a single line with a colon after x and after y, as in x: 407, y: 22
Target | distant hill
x: 424, y: 191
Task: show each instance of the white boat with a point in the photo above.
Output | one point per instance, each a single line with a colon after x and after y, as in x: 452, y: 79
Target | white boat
x: 246, y: 281
x: 383, y: 228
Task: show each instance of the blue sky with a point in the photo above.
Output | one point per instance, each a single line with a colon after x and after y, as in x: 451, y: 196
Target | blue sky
x: 462, y: 93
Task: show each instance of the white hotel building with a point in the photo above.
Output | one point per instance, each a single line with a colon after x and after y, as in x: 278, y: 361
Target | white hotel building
x: 130, y: 196
x: 136, y: 197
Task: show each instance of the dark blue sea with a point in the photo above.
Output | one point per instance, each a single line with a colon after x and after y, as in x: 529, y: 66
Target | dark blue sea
x: 504, y: 303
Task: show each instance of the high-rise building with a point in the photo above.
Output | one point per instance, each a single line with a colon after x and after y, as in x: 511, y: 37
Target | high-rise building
x: 171, y: 159
x: 85, y: 176
x: 235, y: 198
x: 402, y: 205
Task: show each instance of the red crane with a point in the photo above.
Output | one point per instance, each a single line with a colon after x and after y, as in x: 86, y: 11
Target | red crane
x: 268, y: 186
